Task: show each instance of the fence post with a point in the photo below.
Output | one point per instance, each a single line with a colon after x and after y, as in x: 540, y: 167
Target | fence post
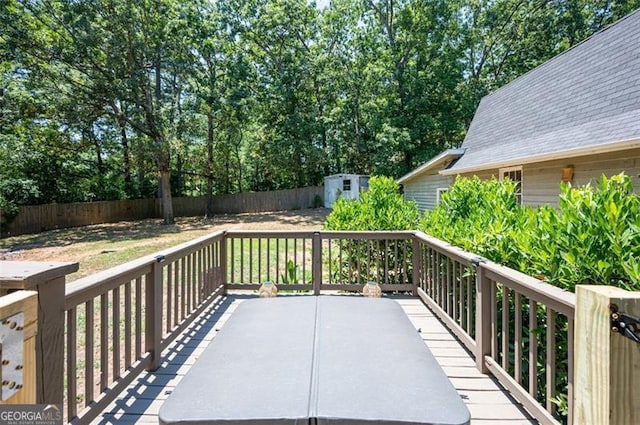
x: 48, y: 279
x: 153, y: 313
x: 607, y: 364
x: 483, y: 316
x: 417, y: 264
x: 316, y: 266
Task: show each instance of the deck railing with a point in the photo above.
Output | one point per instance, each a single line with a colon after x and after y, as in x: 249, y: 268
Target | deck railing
x: 319, y: 261
x: 118, y: 321
x: 504, y: 317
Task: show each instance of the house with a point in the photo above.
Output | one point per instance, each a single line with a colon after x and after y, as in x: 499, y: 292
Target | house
x: 425, y: 184
x: 571, y: 119
x: 348, y: 186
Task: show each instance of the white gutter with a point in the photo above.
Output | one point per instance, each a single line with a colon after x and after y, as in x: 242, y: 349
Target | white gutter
x: 430, y: 164
x: 569, y: 153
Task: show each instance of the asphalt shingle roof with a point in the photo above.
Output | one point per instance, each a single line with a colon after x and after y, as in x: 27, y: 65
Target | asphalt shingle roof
x: 587, y: 96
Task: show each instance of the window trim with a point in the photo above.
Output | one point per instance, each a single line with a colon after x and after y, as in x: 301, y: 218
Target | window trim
x: 506, y: 170
x: 344, y: 185
x: 439, y: 192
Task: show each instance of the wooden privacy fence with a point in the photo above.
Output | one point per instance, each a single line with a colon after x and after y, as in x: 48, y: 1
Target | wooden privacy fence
x: 38, y: 218
x: 117, y: 322
x: 251, y: 202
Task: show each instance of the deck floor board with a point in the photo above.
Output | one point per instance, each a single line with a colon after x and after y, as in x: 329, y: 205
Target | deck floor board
x: 487, y: 401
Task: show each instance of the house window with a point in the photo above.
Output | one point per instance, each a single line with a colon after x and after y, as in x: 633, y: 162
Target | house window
x: 439, y: 192
x: 346, y: 185
x: 515, y: 175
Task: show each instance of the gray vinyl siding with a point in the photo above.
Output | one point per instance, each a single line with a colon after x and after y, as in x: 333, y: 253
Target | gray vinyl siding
x: 541, y: 181
x: 423, y: 190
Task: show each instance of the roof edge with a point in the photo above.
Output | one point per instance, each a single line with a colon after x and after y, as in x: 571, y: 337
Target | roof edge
x: 431, y: 163
x: 570, y: 153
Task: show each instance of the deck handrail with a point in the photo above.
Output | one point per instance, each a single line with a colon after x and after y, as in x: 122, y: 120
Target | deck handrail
x: 81, y: 290
x: 120, y: 319
x: 560, y: 300
x: 482, y: 303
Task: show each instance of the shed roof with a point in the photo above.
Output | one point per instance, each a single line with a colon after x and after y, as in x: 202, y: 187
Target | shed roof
x: 585, y: 100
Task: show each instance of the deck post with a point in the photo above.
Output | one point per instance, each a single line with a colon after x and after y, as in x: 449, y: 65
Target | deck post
x: 153, y: 313
x: 223, y: 263
x: 25, y: 302
x: 48, y: 280
x: 483, y: 317
x: 607, y: 364
x: 316, y: 265
x: 417, y: 265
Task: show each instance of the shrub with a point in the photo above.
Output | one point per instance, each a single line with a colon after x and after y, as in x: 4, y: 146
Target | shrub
x: 317, y: 202
x: 592, y: 238
x: 380, y: 208
x: 15, y: 192
x: 479, y: 216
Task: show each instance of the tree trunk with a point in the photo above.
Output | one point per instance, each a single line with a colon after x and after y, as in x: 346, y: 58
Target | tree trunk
x: 126, y: 155
x: 210, y: 135
x: 165, y: 186
x: 167, y: 201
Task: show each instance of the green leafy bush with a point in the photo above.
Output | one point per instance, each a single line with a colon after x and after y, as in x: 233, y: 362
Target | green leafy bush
x: 380, y: 208
x: 482, y: 217
x: 317, y: 202
x: 15, y: 192
x: 592, y: 238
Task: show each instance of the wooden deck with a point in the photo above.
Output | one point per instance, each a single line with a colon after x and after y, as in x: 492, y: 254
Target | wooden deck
x: 486, y: 400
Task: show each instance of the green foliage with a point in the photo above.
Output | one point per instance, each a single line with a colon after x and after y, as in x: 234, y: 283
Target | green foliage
x: 592, y: 238
x: 253, y: 95
x: 8, y: 212
x: 290, y: 276
x: 479, y: 216
x: 382, y: 207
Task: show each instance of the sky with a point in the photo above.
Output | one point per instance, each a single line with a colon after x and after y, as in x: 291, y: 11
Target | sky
x: 321, y: 4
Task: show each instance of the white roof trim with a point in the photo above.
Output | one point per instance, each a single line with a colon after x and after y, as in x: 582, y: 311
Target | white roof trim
x: 581, y: 151
x: 431, y: 164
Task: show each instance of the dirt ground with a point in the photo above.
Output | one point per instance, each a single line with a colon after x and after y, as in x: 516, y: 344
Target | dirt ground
x: 101, y: 246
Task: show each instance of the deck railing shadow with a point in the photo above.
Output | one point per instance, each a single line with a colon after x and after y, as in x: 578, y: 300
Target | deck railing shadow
x: 140, y: 395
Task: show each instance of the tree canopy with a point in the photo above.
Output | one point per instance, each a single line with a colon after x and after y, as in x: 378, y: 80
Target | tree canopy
x: 115, y: 99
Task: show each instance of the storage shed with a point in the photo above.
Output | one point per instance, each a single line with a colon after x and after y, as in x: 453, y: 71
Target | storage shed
x: 348, y: 186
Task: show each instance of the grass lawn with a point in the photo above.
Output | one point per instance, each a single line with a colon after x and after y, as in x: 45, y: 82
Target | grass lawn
x: 103, y: 246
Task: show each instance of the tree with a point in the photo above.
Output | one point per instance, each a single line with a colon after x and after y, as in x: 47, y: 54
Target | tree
x: 119, y: 99
x: 126, y: 60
